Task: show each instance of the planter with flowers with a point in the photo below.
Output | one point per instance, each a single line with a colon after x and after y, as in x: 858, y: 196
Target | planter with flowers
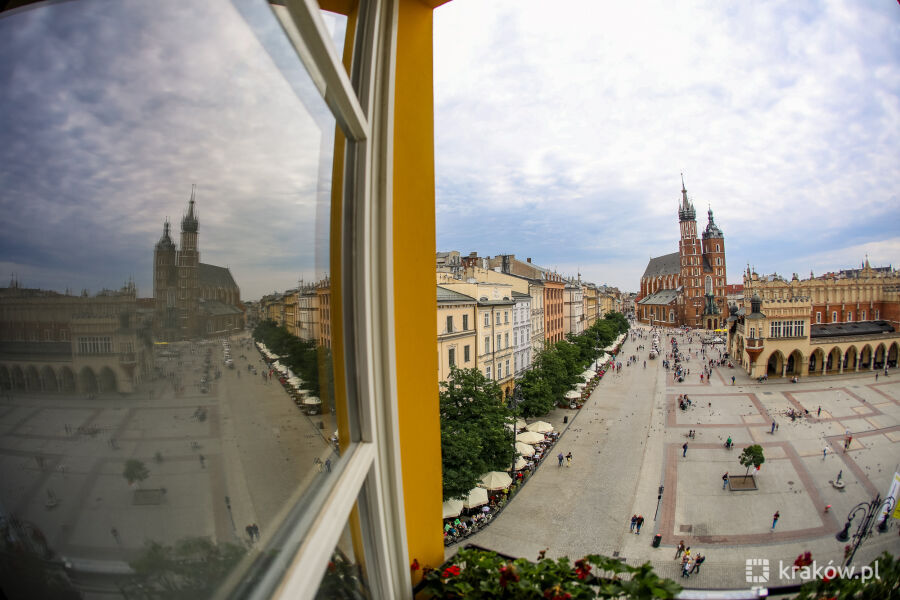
x: 476, y: 573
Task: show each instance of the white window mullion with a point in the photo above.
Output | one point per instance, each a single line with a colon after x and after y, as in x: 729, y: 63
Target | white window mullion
x: 311, y: 559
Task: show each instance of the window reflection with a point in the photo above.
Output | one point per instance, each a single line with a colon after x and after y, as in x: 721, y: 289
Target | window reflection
x: 345, y: 578
x: 166, y: 376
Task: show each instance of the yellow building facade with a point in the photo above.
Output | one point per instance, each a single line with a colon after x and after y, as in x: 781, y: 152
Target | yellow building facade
x: 457, y: 341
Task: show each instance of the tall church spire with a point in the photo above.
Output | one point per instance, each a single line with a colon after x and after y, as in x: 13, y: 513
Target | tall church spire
x: 686, y: 210
x: 189, y: 223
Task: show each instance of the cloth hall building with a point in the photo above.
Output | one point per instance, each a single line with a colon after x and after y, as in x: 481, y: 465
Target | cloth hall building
x: 688, y: 287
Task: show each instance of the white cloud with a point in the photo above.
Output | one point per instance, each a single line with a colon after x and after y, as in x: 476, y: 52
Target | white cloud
x: 780, y: 116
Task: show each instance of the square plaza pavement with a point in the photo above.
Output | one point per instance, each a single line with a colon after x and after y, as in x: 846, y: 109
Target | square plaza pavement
x: 627, y: 441
x: 62, y: 459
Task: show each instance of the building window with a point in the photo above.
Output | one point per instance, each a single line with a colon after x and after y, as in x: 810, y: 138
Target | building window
x: 506, y: 316
x: 487, y: 320
x: 849, y: 317
x: 799, y: 327
x: 862, y: 316
x: 507, y: 367
x: 717, y: 248
x: 498, y: 347
x: 450, y: 324
x: 451, y: 357
x: 498, y: 318
x: 465, y: 322
x: 487, y: 344
x: 466, y: 357
x: 515, y: 338
x: 487, y: 372
x: 834, y: 317
x: 506, y: 340
x: 818, y: 317
x: 877, y: 316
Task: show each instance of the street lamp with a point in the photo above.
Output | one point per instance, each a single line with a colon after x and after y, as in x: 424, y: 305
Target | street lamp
x: 515, y: 399
x: 864, y: 529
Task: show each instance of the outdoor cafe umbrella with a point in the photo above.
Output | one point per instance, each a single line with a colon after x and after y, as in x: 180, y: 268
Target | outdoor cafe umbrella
x: 524, y: 449
x: 311, y: 400
x: 520, y: 424
x: 572, y: 394
x: 477, y: 497
x: 521, y: 463
x: 540, y: 427
x: 530, y: 437
x: 496, y: 480
x: 452, y: 508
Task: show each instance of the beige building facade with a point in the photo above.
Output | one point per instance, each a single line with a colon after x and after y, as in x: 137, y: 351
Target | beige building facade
x: 457, y: 341
x: 781, y: 331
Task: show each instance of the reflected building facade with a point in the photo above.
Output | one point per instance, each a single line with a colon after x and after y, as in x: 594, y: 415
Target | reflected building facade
x: 191, y: 298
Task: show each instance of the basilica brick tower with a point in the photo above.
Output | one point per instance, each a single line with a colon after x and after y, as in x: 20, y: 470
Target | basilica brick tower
x: 687, y: 287
x: 192, y: 298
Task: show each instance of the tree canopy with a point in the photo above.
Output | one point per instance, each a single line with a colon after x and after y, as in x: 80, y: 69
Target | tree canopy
x: 752, y: 456
x: 193, y: 568
x: 475, y: 438
x: 558, y: 367
x: 135, y: 470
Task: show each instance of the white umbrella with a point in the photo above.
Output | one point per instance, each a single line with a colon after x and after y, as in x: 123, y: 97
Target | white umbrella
x: 530, y: 437
x: 311, y: 400
x: 520, y: 464
x: 540, y: 427
x: 496, y: 480
x: 580, y: 386
x: 524, y: 449
x: 452, y: 508
x: 477, y: 497
x: 520, y: 424
x: 573, y: 394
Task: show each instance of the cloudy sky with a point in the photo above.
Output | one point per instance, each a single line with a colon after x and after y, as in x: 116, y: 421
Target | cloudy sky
x: 561, y: 132
x: 111, y: 111
x: 562, y: 129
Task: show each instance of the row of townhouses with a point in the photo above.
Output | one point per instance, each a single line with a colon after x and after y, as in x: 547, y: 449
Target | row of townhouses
x: 496, y: 313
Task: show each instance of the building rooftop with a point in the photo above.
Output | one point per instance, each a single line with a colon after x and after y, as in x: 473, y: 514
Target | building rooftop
x: 667, y: 264
x: 821, y: 330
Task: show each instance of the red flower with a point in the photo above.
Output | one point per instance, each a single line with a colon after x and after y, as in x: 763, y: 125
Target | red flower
x: 508, y: 574
x: 582, y: 569
x: 331, y: 566
x: 451, y: 571
x: 415, y: 564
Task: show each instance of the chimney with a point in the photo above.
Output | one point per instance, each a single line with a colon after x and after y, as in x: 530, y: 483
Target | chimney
x: 528, y: 259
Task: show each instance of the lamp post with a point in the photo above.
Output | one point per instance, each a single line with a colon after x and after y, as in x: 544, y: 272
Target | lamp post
x: 514, y: 400
x: 869, y: 510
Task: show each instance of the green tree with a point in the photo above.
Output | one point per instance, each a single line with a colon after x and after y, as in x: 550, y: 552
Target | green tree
x: 752, y: 456
x: 135, y: 470
x: 193, y: 568
x: 537, y: 395
x: 475, y: 438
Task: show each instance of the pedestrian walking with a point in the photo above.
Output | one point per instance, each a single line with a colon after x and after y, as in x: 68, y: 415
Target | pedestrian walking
x: 249, y: 530
x: 202, y: 462
x: 255, y: 531
x: 775, y: 518
x: 639, y: 524
x: 560, y: 457
x: 824, y: 452
x: 633, y: 523
x: 773, y: 427
x: 569, y: 459
x: 819, y: 412
x: 686, y: 566
x: 684, y: 450
x: 840, y: 474
x: 724, y: 480
x: 697, y: 562
x: 732, y: 380
x: 679, y: 550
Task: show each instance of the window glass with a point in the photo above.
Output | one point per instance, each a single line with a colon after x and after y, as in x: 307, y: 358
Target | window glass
x: 345, y: 576
x: 167, y: 174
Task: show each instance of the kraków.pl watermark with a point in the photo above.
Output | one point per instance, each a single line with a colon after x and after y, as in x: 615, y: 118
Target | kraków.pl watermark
x: 757, y: 571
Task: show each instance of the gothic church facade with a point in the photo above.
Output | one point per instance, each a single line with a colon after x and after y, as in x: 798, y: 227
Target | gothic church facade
x: 192, y: 299
x: 688, y: 287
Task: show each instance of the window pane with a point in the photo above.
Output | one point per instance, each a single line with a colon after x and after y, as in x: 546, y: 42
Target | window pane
x: 345, y: 577
x: 166, y: 365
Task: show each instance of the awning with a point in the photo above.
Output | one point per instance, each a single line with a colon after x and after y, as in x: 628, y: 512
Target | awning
x: 540, y: 427
x: 452, y: 508
x: 524, y: 449
x: 496, y: 480
x: 530, y: 437
x: 477, y: 497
